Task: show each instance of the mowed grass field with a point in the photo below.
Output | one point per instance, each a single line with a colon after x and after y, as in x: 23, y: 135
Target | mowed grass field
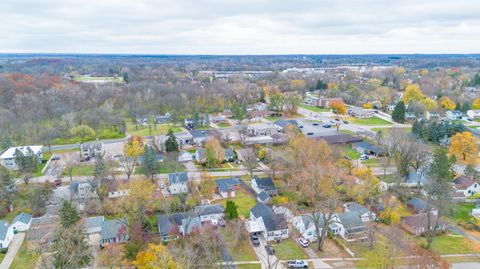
x: 315, y: 109
x: 368, y: 121
x: 145, y: 130
x: 243, y: 200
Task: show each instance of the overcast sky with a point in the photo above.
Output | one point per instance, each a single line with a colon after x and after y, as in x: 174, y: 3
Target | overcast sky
x: 240, y: 26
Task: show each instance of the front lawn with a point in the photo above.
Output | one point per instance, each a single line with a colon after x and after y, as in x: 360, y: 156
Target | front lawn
x: 368, y: 121
x: 223, y: 124
x: 243, y: 251
x: 451, y: 244
x: 315, y: 109
x: 406, y: 129
x: 106, y: 133
x: 164, y: 168
x: 144, y: 130
x: 243, y: 200
x: 350, y: 153
x: 462, y: 212
x: 81, y: 170
x: 289, y: 250
x: 372, y: 162
x: 26, y: 257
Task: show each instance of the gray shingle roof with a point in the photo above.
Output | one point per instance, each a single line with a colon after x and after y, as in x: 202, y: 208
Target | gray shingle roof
x: 263, y: 196
x: 203, y: 210
x: 227, y: 184
x: 179, y: 177
x: 93, y: 222
x: 265, y: 183
x: 3, y: 229
x: 272, y: 221
x: 351, y: 220
x: 113, y: 228
x: 23, y: 218
x: 418, y: 203
x: 200, y: 133
x: 356, y: 207
x: 229, y: 153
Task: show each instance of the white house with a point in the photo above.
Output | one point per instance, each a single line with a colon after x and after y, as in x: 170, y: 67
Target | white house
x: 349, y: 226
x: 265, y: 184
x: 227, y: 187
x: 466, y: 185
x: 212, y: 213
x: 6, y: 234
x: 473, y: 114
x: 454, y: 115
x: 21, y: 222
x: 7, y: 158
x: 178, y: 182
x: 185, y: 157
x: 265, y: 221
x: 305, y: 225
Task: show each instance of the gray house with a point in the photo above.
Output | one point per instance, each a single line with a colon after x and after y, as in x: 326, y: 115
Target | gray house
x: 113, y: 232
x: 178, y: 182
x: 265, y: 221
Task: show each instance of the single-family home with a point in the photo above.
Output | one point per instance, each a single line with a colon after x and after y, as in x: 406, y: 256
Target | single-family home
x: 82, y: 190
x: 190, y: 122
x: 6, y: 234
x: 418, y: 224
x: 263, y: 197
x: 368, y: 148
x: 91, y: 149
x: 430, y: 115
x: 93, y: 225
x: 183, y: 223
x: 283, y: 124
x: 178, y: 182
x: 264, y: 129
x: 454, y: 115
x: 118, y: 188
x: 212, y: 213
x: 473, y: 114
x: 218, y: 119
x: 200, y: 156
x: 185, y: 156
x: 359, y: 112
x: 258, y: 140
x: 22, y: 222
x: 338, y: 138
x: 264, y: 184
x: 418, y: 205
x: 42, y: 229
x: 200, y: 136
x: 227, y: 187
x: 365, y: 214
x: 305, y: 225
x: 410, y: 116
x: 162, y: 119
x: 184, y: 138
x: 265, y: 221
x: 114, y: 231
x: 7, y: 159
x: 466, y: 185
x: 142, y: 119
x: 349, y: 226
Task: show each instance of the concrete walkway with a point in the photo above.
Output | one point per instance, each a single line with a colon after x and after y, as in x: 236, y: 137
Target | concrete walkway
x: 12, y: 250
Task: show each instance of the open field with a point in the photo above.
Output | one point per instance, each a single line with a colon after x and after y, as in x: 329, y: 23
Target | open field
x: 145, y: 130
x: 315, y: 109
x: 90, y: 79
x: 368, y: 121
x: 452, y: 244
x: 406, y: 129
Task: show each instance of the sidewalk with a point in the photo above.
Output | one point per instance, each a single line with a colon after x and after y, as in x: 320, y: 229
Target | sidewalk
x: 12, y: 250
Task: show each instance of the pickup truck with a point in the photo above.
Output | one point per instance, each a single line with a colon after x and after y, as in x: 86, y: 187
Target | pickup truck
x: 297, y: 264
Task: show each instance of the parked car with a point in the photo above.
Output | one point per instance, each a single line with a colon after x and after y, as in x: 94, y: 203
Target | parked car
x: 55, y: 157
x: 345, y: 121
x: 315, y: 124
x: 337, y: 119
x: 364, y: 157
x: 255, y: 240
x: 303, y: 242
x: 327, y: 126
x: 162, y: 186
x: 332, y: 122
x: 270, y: 250
x: 297, y: 264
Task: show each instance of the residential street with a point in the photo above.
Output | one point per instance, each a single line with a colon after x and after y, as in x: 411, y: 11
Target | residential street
x: 12, y: 250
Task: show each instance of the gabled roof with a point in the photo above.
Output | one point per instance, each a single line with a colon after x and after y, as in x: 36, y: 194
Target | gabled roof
x: 284, y: 123
x: 418, y: 203
x: 351, y: 220
x: 368, y: 146
x: 356, y: 207
x: 11, y: 152
x: 227, y: 184
x: 308, y: 219
x: 187, y: 220
x: 93, y: 222
x: 463, y: 182
x: 421, y: 220
x: 263, y: 196
x: 113, y: 228
x: 200, y: 153
x: 3, y: 229
x: 203, y: 210
x: 272, y: 221
x: 339, y: 138
x: 98, y: 145
x: 265, y: 183
x: 177, y: 178
x: 23, y: 218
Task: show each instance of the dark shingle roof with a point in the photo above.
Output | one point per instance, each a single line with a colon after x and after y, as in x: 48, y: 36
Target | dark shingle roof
x: 284, y: 123
x: 351, y: 220
x: 368, y: 146
x: 113, y: 228
x: 356, y: 207
x: 339, y: 138
x: 265, y: 183
x: 200, y: 133
x: 418, y: 203
x: 203, y: 210
x: 179, y: 177
x: 227, y: 184
x: 463, y: 182
x: 272, y: 221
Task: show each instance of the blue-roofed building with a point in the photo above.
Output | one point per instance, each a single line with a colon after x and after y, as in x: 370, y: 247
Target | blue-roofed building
x: 178, y: 182
x: 230, y: 155
x: 349, y: 226
x: 264, y: 185
x: 6, y: 234
x: 199, y: 136
x: 263, y: 197
x: 21, y: 222
x: 368, y: 148
x: 93, y: 225
x: 418, y: 205
x: 226, y: 187
x: 265, y: 221
x: 114, y: 231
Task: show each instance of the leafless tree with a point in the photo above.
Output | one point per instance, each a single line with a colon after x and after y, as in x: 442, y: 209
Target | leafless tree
x: 128, y: 165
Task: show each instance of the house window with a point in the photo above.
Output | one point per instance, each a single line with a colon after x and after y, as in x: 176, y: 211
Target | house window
x: 270, y: 234
x: 284, y: 231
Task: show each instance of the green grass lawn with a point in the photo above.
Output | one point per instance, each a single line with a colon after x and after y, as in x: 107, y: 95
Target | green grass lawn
x: 372, y: 162
x: 289, y: 250
x: 81, y: 170
x: 350, y: 153
x: 99, y: 79
x: 243, y: 200
x: 273, y: 118
x: 26, y: 258
x: 315, y: 109
x: 223, y: 124
x: 249, y: 266
x: 243, y: 251
x: 447, y: 244
x: 1, y: 257
x: 406, y: 129
x: 164, y: 168
x: 387, y: 178
x: 462, y: 212
x: 142, y: 130
x: 368, y: 121
x: 107, y: 133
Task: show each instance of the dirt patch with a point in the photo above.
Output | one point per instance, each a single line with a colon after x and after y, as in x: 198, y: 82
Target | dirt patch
x: 331, y: 250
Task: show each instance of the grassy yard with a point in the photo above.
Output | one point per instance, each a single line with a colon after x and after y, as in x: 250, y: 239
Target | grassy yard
x: 289, y: 250
x: 249, y: 266
x: 273, y: 118
x: 142, y: 130
x: 164, y: 168
x: 372, y: 162
x: 387, y: 178
x: 25, y: 258
x: 368, y: 121
x: 406, y: 129
x: 223, y: 124
x: 107, y: 133
x: 462, y: 212
x: 350, y: 153
x: 81, y: 170
x: 1, y: 257
x: 452, y: 244
x: 243, y: 251
x: 315, y: 109
x: 243, y: 200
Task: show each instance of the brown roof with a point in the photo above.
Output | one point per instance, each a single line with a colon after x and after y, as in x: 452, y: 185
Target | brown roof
x: 463, y: 182
x: 340, y: 138
x: 420, y: 220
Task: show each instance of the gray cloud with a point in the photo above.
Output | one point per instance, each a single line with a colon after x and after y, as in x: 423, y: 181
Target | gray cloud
x: 240, y: 26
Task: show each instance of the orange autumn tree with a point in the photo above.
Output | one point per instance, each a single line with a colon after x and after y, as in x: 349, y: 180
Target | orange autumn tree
x: 447, y: 103
x: 338, y: 107
x: 464, y: 146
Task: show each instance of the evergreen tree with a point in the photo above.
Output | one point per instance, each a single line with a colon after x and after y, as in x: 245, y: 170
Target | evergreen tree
x: 196, y: 120
x: 125, y: 77
x: 68, y: 215
x: 231, y: 211
x: 7, y: 186
x: 466, y: 107
x: 70, y: 248
x: 6, y: 141
x: 398, y: 114
x: 238, y: 113
x: 100, y: 169
x: 171, y: 144
x: 321, y: 85
x: 150, y: 164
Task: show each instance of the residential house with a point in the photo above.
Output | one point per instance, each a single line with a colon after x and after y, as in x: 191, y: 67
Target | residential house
x: 264, y: 197
x: 349, y: 226
x: 258, y: 140
x: 163, y: 119
x: 158, y: 156
x: 7, y: 159
x: 230, y: 155
x: 417, y: 177
x: 430, y: 115
x: 22, y: 222
x: 279, y: 139
x: 93, y: 225
x: 189, y: 122
x: 183, y: 223
x: 82, y: 190
x: 200, y: 156
x: 418, y: 205
x: 338, y: 138
x: 418, y: 224
x: 200, y: 136
x: 178, y: 182
x: 265, y: 221
x: 118, y: 188
x: 454, y: 115
x: 305, y: 225
x: 264, y: 185
x: 466, y: 185
x: 473, y: 114
x: 410, y: 116
x: 365, y: 214
x: 183, y: 138
x: 6, y: 234
x: 142, y: 119
x: 359, y: 112
x: 218, y: 119
x: 212, y: 213
x: 227, y: 187
x: 91, y: 150
x: 366, y: 147
x: 311, y: 100
x: 185, y: 156
x: 264, y: 129
x: 42, y: 229
x: 113, y: 232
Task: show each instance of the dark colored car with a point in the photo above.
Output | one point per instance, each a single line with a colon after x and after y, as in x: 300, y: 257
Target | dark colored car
x: 270, y: 250
x: 345, y: 121
x: 327, y: 126
x: 255, y: 240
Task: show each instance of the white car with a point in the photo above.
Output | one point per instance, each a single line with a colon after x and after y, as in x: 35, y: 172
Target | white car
x: 364, y: 157
x: 303, y: 242
x: 297, y: 264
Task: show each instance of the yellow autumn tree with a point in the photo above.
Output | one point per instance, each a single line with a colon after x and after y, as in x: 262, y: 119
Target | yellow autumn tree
x: 367, y: 105
x: 155, y: 256
x: 476, y: 103
x: 338, y: 107
x: 447, y: 103
x: 332, y: 86
x: 214, y: 152
x: 413, y: 93
x: 424, y: 73
x: 134, y: 147
x: 464, y: 146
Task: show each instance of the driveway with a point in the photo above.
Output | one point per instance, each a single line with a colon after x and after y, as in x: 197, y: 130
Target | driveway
x: 12, y: 250
x: 268, y: 261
